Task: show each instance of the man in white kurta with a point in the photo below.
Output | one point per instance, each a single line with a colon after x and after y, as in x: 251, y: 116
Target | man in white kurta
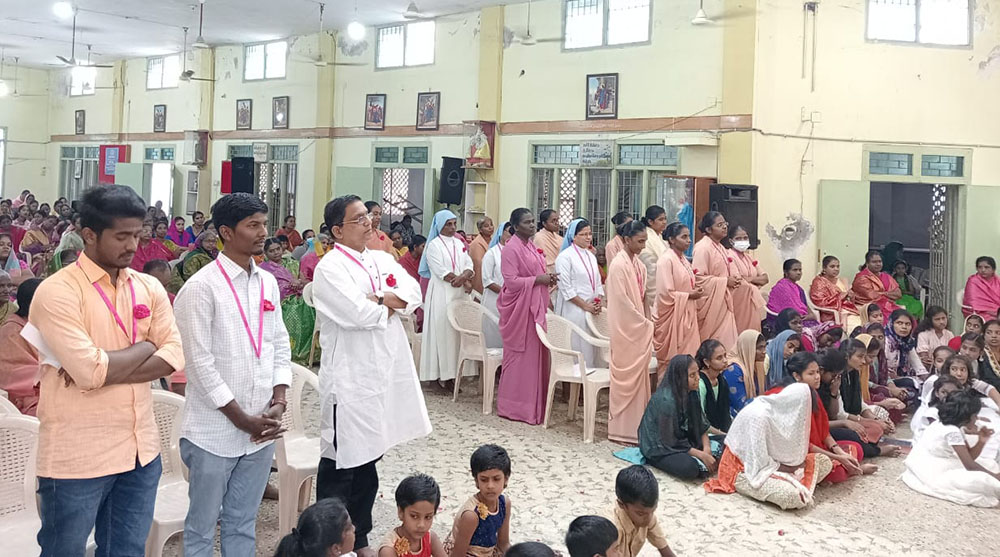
x: 447, y: 259
x: 370, y: 396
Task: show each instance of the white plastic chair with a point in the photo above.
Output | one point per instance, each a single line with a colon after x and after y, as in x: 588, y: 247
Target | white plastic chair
x: 4, y: 395
x: 598, y: 325
x: 19, y: 521
x: 567, y: 366
x: 307, y: 297
x: 412, y: 336
x: 296, y: 454
x: 466, y: 317
x: 173, y: 263
x: 7, y: 407
x: 172, y: 493
x: 960, y: 300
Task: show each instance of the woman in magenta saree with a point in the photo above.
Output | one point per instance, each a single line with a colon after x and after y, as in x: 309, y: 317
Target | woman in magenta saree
x: 786, y: 293
x: 299, y: 318
x: 872, y: 285
x: 982, y: 290
x: 523, y: 300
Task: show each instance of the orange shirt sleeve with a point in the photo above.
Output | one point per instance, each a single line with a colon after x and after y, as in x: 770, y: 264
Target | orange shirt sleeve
x: 163, y: 331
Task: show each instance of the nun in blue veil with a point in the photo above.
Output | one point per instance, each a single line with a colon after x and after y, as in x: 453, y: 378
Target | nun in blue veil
x: 580, y: 289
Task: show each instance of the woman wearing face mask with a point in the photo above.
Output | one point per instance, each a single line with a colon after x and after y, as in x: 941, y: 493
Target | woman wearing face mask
x: 748, y: 303
x: 830, y: 290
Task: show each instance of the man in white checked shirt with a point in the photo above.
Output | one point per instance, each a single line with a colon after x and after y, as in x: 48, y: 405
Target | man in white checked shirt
x: 238, y: 367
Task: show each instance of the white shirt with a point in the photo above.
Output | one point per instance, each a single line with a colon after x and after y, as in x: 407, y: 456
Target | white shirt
x: 369, y: 394
x: 221, y: 362
x: 491, y: 267
x: 579, y: 275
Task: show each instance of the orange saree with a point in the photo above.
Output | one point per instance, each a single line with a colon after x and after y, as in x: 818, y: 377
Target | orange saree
x: 676, y: 330
x: 631, y: 348
x: 716, y: 318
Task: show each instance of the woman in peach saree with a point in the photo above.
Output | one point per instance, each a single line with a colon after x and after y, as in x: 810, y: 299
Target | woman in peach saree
x: 748, y: 302
x: 631, y: 338
x: 718, y: 278
x: 675, y: 311
x: 872, y: 285
x: 829, y: 291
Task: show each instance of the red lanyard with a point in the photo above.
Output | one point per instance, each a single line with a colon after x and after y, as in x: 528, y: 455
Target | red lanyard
x: 453, y: 254
x: 114, y: 311
x: 686, y: 265
x: 586, y: 266
x: 246, y: 323
x: 378, y: 274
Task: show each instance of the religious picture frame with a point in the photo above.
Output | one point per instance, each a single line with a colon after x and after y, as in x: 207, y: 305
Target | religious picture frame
x: 80, y: 122
x: 428, y: 111
x: 375, y: 111
x: 244, y: 114
x: 279, y: 113
x: 159, y: 118
x: 602, y: 96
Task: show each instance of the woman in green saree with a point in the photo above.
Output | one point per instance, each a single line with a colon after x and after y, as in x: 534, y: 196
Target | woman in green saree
x: 910, y: 288
x: 205, y: 251
x: 300, y: 319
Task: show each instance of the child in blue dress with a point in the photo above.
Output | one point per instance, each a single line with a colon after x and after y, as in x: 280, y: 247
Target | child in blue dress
x: 482, y: 524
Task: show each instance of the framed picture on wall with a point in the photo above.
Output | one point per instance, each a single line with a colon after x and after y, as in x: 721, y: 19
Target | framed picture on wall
x: 279, y: 113
x: 78, y: 169
x: 602, y: 96
x: 244, y: 114
x: 80, y: 122
x: 159, y: 117
x: 428, y: 110
x: 375, y: 112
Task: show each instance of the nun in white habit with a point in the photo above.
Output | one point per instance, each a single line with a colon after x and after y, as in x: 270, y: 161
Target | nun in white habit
x: 493, y: 282
x: 447, y: 266
x: 580, y: 290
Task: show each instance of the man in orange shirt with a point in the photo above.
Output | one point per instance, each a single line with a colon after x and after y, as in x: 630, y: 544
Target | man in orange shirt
x: 109, y: 331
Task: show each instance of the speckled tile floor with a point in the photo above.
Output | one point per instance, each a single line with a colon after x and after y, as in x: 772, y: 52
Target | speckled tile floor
x: 556, y: 477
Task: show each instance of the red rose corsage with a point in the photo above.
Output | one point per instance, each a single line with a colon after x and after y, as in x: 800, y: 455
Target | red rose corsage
x: 541, y: 251
x: 730, y: 259
x: 754, y: 262
x: 141, y: 311
x: 465, y: 249
x: 390, y: 281
x: 268, y: 306
x: 597, y: 301
x: 695, y: 271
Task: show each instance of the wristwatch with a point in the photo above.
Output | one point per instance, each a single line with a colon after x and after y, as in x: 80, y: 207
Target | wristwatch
x: 381, y: 299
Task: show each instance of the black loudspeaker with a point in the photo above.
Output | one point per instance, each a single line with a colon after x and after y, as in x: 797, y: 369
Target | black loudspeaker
x: 452, y: 181
x: 738, y: 202
x: 243, y: 175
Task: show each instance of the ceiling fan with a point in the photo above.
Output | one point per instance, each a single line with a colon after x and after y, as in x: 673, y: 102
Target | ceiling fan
x: 186, y: 74
x: 321, y: 61
x: 72, y: 61
x: 528, y: 39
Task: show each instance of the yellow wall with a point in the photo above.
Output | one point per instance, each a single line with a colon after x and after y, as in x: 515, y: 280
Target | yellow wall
x: 864, y: 93
x: 27, y: 121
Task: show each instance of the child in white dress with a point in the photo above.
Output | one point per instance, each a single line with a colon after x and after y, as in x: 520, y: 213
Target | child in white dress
x: 944, y: 465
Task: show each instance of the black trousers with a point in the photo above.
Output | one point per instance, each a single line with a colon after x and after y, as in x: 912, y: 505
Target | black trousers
x: 870, y: 450
x: 678, y: 465
x: 356, y: 487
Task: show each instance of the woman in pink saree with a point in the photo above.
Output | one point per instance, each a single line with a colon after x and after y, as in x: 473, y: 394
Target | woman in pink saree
x: 676, y: 314
x: 787, y: 293
x: 872, y: 285
x: 631, y: 334
x: 982, y: 290
x: 748, y: 302
x: 718, y: 278
x: 523, y: 300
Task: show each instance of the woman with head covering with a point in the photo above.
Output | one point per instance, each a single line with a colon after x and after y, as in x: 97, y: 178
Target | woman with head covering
x: 713, y: 265
x: 767, y: 454
x: 874, y: 285
x: 448, y: 268
x: 748, y: 302
x: 675, y: 311
x: 316, y: 248
x: 12, y: 264
x: 655, y: 221
x: 299, y: 318
x: 19, y: 359
x: 206, y: 248
x: 580, y: 290
x: 982, y: 290
x: 747, y: 371
x: 7, y: 296
x: 523, y: 300
x: 631, y: 333
x: 779, y: 349
x: 616, y: 244
x: 493, y: 282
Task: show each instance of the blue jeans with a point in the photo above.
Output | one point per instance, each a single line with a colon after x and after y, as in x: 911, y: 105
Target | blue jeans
x: 235, y: 485
x: 119, y: 508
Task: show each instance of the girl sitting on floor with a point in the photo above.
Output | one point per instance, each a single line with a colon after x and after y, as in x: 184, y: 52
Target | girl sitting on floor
x: 713, y: 389
x: 747, y: 371
x: 941, y: 388
x: 932, y: 333
x: 944, y: 465
x: 973, y: 324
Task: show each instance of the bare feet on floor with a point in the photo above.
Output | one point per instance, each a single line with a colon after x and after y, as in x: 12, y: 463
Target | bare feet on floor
x: 889, y: 450
x: 868, y: 469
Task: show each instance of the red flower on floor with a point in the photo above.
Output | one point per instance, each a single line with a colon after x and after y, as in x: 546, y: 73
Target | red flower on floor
x: 268, y: 306
x: 141, y: 311
x: 390, y: 281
